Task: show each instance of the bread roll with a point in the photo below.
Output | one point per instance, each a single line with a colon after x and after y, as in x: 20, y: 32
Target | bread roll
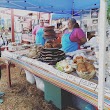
x: 81, y: 67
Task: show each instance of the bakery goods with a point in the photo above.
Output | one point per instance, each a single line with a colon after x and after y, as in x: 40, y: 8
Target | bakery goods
x: 78, y: 59
x: 81, y: 67
x: 89, y: 67
x: 56, y: 45
x: 49, y: 32
x: 48, y: 45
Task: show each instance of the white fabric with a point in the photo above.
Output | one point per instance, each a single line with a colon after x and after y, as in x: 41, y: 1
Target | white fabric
x: 39, y: 83
x: 30, y: 78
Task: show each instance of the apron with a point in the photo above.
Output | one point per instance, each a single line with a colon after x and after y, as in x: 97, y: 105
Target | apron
x: 39, y: 37
x: 67, y: 45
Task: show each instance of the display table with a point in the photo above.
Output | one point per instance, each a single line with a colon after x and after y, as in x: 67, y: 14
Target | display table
x: 84, y: 89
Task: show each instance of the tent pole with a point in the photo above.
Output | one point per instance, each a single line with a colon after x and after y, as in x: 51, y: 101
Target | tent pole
x: 50, y: 19
x: 102, y: 52
x: 12, y: 25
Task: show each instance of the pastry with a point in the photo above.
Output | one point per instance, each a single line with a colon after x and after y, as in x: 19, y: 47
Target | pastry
x: 49, y: 41
x: 89, y: 67
x: 56, y: 45
x: 48, y: 45
x: 78, y: 59
x: 47, y: 34
x: 81, y: 67
x: 68, y: 69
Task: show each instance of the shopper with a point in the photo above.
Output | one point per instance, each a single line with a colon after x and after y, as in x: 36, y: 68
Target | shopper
x: 1, y: 93
x: 73, y: 37
x: 38, y: 33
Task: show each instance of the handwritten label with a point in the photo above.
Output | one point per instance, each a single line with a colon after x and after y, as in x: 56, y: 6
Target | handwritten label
x: 55, y: 72
x: 88, y: 84
x: 70, y: 77
x: 77, y: 80
x: 50, y: 69
x: 62, y: 75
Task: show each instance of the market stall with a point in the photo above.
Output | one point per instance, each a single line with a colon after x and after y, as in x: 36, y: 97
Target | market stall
x: 89, y: 94
x: 87, y: 90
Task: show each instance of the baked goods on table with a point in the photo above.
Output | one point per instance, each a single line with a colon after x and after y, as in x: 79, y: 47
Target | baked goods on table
x: 49, y: 32
x: 35, y: 51
x: 84, y: 69
x: 52, y: 44
x: 81, y: 67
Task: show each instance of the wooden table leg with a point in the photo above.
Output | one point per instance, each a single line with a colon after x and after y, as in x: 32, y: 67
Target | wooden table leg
x: 8, y: 73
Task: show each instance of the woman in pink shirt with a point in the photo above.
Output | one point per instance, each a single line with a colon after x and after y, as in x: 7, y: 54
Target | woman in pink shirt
x: 38, y: 33
x: 73, y: 37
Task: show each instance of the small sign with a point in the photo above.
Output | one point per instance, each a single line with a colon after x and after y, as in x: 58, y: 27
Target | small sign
x: 70, y: 77
x: 62, y: 75
x: 50, y: 68
x: 88, y: 84
x: 77, y: 80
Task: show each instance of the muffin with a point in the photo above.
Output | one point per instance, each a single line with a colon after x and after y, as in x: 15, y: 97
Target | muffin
x: 48, y: 45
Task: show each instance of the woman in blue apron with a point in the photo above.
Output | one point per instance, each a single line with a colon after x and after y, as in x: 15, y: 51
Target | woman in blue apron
x: 38, y: 32
x: 73, y: 37
x: 39, y: 36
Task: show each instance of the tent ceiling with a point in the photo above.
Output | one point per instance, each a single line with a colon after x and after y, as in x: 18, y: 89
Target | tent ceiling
x: 56, y: 6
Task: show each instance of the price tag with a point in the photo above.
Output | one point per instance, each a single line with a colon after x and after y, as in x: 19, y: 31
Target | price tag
x: 70, y: 77
x: 77, y: 80
x: 50, y: 68
x: 88, y: 84
x: 29, y: 60
x: 25, y: 59
x: 62, y: 75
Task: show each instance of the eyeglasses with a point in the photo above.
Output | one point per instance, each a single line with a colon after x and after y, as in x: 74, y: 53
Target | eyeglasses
x: 41, y: 20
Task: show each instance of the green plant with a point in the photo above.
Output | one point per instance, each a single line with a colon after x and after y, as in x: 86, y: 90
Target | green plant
x: 108, y: 11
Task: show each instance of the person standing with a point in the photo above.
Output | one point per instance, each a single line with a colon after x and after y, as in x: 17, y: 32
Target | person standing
x: 1, y: 43
x: 73, y: 37
x: 38, y: 32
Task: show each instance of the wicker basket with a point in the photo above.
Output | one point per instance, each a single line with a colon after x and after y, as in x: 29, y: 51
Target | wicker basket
x: 86, y: 75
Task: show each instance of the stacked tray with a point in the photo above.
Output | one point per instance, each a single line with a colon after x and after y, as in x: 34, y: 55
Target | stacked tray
x: 51, y: 55
x: 49, y: 32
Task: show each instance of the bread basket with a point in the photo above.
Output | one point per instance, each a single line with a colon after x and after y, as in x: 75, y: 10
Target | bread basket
x: 86, y: 75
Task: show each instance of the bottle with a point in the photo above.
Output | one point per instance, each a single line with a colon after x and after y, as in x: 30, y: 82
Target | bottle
x: 89, y: 107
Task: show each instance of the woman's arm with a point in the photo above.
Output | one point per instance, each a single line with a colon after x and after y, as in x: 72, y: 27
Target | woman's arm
x: 83, y: 41
x: 78, y: 36
x: 81, y: 36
